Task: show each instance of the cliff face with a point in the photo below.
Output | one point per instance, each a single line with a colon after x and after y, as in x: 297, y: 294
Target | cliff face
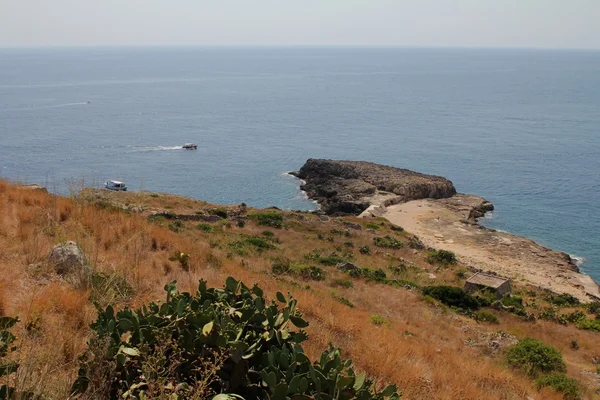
x: 350, y: 187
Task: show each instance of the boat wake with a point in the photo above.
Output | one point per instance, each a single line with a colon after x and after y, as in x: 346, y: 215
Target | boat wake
x: 31, y: 108
x: 155, y: 148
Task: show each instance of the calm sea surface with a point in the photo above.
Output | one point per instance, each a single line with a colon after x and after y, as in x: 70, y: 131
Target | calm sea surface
x: 521, y: 128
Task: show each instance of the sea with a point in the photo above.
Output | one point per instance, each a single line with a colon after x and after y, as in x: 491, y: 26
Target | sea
x: 518, y: 127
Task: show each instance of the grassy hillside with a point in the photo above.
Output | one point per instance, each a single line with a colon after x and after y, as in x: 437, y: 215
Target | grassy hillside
x: 376, y: 314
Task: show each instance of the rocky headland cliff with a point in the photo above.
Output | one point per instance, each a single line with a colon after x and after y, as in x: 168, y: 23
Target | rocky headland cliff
x: 352, y: 187
x: 430, y: 207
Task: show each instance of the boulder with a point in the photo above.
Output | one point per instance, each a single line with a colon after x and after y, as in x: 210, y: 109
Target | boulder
x: 67, y: 258
x: 352, y: 225
x: 347, y: 266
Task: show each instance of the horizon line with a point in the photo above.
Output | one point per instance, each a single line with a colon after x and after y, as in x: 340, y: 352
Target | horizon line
x: 290, y: 46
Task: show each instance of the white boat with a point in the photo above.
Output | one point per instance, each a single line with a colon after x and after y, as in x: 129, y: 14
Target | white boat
x: 115, y: 185
x: 190, y: 146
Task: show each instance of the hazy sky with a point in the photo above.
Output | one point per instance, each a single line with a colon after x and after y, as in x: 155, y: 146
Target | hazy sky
x: 479, y: 23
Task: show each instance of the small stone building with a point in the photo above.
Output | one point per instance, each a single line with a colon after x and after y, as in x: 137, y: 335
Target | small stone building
x: 479, y: 281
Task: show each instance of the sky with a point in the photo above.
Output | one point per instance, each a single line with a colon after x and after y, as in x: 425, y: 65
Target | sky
x: 573, y: 24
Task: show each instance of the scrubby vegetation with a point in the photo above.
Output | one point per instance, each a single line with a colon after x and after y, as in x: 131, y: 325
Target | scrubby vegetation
x: 283, y: 266
x: 535, y: 357
x: 486, y: 316
x: 443, y: 257
x: 204, y: 227
x: 561, y: 383
x: 132, y: 255
x: 268, y: 218
x: 7, y: 367
x: 453, y: 297
x: 217, y: 341
x: 387, y: 242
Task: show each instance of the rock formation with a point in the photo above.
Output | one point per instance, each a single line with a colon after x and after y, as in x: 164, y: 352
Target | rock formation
x: 67, y: 258
x: 70, y: 262
x: 351, y: 187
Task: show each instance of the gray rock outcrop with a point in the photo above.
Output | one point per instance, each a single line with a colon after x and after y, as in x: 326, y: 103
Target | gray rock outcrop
x: 351, y: 187
x: 68, y: 259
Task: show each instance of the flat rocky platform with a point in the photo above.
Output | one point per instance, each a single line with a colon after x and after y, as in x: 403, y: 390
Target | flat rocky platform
x: 352, y: 187
x: 445, y: 224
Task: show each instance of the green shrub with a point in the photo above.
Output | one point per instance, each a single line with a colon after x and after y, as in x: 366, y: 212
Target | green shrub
x: 569, y: 387
x: 268, y: 218
x: 241, y: 223
x: 444, y: 257
x: 335, y: 231
x: 551, y: 314
x: 227, y: 341
x: 453, y: 297
x: 594, y: 307
x: 576, y: 316
x: 562, y: 300
x: 535, y: 357
x: 379, y: 320
x: 396, y: 228
x: 589, y: 325
x: 364, y: 250
x: 513, y: 303
x: 259, y: 243
x: 377, y: 275
x: 398, y: 269
x: 348, y: 244
x: 342, y: 283
x: 387, y: 242
x: 268, y: 234
x: 371, y: 225
x: 283, y: 266
x: 328, y: 260
x: 219, y: 212
x: 204, y: 227
x: 510, y: 300
x: 159, y: 219
x: 253, y: 242
x: 176, y: 226
x: 7, y: 367
x: 486, y: 316
x: 341, y: 299
x: 308, y: 272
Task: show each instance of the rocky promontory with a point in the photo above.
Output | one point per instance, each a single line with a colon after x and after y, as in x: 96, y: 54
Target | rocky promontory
x: 351, y: 187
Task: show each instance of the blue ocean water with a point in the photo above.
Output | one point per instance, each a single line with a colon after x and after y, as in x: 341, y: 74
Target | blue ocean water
x: 521, y: 128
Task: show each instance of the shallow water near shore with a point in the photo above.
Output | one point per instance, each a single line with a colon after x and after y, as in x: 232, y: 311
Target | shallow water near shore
x: 519, y: 128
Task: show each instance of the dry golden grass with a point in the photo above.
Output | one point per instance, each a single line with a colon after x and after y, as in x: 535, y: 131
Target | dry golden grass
x: 422, y: 349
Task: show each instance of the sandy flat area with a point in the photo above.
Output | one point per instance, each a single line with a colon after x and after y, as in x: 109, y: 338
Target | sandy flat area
x: 441, y: 224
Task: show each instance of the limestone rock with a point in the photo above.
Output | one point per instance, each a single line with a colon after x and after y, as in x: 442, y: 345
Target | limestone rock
x: 349, y: 187
x: 352, y: 225
x: 347, y: 266
x: 67, y: 258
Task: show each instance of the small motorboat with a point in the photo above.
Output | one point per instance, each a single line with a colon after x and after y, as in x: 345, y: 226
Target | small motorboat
x: 190, y: 146
x: 115, y: 185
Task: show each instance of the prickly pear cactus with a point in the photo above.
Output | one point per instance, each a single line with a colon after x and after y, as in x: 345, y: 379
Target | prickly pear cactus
x: 230, y: 343
x: 6, y: 346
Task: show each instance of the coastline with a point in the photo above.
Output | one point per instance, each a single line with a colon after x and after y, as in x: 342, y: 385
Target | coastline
x: 451, y: 223
x: 444, y: 224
